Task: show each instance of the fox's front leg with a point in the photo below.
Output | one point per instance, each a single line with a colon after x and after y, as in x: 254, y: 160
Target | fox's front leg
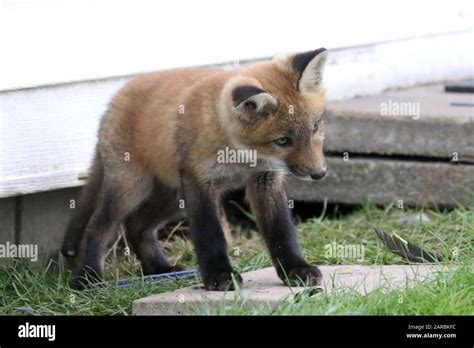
x: 268, y: 200
x: 207, y: 235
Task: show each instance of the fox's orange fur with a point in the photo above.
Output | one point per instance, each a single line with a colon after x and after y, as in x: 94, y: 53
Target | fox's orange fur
x: 159, y: 140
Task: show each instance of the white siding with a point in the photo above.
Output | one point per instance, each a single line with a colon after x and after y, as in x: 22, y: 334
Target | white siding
x: 48, y: 133
x: 53, y: 41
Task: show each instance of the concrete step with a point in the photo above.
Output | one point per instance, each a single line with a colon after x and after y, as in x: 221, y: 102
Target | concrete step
x: 264, y: 288
x: 420, y: 121
x: 414, y: 145
x: 386, y: 181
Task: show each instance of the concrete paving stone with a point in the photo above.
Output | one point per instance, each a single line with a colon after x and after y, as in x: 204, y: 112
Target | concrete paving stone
x: 264, y: 288
x: 357, y: 126
x: 385, y: 181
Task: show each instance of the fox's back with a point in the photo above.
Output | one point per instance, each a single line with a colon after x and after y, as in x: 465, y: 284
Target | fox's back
x: 180, y: 119
x: 142, y: 118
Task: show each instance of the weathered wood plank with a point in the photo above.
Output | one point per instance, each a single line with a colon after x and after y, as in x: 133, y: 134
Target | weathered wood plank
x: 40, y: 182
x: 48, y: 134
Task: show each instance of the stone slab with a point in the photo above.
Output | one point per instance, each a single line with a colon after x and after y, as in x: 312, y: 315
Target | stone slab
x: 385, y: 181
x: 357, y: 125
x: 264, y: 288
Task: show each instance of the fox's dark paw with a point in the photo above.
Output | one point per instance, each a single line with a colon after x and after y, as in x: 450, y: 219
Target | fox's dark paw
x: 176, y: 268
x: 306, y: 275
x: 160, y: 269
x: 85, y: 278
x: 222, y: 281
x: 78, y: 283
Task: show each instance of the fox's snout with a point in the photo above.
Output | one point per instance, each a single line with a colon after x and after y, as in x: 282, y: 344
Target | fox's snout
x: 318, y: 174
x: 304, y: 172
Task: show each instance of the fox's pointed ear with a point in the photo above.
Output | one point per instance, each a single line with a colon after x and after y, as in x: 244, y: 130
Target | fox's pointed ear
x: 251, y: 101
x: 308, y: 67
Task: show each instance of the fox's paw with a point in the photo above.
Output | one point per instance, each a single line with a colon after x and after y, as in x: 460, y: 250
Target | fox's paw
x: 85, y: 278
x: 222, y: 281
x: 306, y: 275
x: 78, y: 283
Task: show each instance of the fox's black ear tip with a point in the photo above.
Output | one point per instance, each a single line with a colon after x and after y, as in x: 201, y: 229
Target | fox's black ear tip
x: 301, y: 60
x: 313, y: 53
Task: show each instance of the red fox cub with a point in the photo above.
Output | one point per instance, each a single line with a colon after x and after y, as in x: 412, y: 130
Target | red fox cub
x: 161, y: 149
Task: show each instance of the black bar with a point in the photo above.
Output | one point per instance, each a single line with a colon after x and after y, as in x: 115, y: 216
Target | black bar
x: 260, y: 330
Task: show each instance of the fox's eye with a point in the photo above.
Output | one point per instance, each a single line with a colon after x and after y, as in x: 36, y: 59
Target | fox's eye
x: 315, y: 128
x: 283, y: 142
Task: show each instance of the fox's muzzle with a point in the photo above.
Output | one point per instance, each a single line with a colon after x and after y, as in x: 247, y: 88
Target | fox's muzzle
x: 318, y: 174
x: 303, y: 172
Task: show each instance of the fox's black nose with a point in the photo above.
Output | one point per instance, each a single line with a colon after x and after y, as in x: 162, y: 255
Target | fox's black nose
x: 318, y: 175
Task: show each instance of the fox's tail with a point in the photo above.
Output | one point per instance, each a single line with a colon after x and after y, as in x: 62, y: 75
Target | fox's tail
x: 84, y: 209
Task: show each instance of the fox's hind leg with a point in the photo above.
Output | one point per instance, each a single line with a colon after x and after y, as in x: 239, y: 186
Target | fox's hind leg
x: 117, y: 199
x: 143, y: 225
x: 84, y: 209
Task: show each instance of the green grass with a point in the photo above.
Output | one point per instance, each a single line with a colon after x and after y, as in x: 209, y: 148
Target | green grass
x: 45, y: 291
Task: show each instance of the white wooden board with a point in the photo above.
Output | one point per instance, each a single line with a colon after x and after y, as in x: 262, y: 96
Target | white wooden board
x: 48, y: 134
x: 52, y: 41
